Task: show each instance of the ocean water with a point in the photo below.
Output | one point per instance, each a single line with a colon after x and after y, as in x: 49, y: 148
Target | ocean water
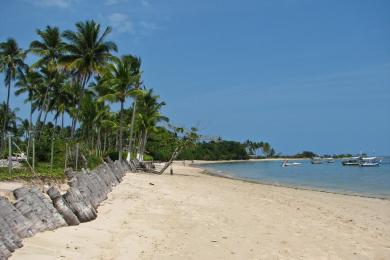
x: 332, y: 177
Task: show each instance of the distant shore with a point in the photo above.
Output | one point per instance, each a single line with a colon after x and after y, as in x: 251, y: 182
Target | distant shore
x: 191, y: 215
x: 199, y: 162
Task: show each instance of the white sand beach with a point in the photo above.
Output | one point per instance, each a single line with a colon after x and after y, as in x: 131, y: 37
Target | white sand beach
x: 190, y: 215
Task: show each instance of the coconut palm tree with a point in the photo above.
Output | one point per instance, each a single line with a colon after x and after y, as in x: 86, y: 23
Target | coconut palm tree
x: 29, y: 82
x: 11, y: 116
x: 119, y: 79
x: 49, y: 49
x: 148, y: 118
x: 11, y: 61
x: 87, y: 51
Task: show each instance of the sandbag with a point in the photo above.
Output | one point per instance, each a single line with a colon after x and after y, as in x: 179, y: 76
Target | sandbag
x: 19, y: 224
x: 81, y: 207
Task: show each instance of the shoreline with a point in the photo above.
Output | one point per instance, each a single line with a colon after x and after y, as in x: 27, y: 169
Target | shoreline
x: 216, y: 174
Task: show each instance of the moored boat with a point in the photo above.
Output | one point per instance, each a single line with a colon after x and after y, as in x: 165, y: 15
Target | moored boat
x: 352, y: 161
x: 370, y: 161
x: 330, y: 160
x: 316, y: 160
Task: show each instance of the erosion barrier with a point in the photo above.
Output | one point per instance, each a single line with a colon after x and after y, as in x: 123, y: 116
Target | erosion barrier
x: 34, y: 211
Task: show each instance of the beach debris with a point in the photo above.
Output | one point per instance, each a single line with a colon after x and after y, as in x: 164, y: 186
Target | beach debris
x: 150, y: 183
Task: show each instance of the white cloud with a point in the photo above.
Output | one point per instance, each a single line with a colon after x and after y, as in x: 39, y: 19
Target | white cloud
x: 53, y: 3
x: 121, y: 23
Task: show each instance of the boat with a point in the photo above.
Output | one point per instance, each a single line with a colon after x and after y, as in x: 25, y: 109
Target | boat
x: 286, y: 164
x: 316, y: 160
x: 351, y: 161
x: 330, y: 160
x: 370, y: 161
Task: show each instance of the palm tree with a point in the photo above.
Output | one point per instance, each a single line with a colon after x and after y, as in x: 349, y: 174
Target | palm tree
x: 266, y: 148
x: 11, y: 116
x: 11, y: 61
x: 118, y: 78
x: 87, y: 51
x: 29, y: 82
x: 148, y: 118
x: 50, y: 49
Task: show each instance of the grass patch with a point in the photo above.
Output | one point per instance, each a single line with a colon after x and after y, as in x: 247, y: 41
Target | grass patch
x: 42, y: 171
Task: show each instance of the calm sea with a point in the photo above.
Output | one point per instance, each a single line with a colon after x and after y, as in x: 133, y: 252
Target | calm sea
x: 333, y: 177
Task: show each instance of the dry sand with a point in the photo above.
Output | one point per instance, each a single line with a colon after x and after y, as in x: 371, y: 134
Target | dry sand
x: 191, y: 215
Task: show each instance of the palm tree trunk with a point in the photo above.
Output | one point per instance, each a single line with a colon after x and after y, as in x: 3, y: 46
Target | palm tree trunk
x: 98, y: 142
x: 84, y: 81
x: 6, y: 116
x: 52, y: 147
x: 144, y: 139
x: 45, y: 117
x: 43, y: 106
x: 139, y: 144
x: 121, y: 133
x: 73, y: 127
x: 29, y: 130
x: 62, y: 120
x: 105, y: 141
x: 132, y: 126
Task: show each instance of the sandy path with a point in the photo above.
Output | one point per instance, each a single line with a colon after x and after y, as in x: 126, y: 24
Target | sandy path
x: 195, y: 216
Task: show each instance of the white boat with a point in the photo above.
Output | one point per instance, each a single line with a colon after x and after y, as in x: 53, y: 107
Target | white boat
x: 316, y: 160
x: 286, y: 164
x: 352, y: 161
x: 370, y: 161
x: 330, y: 160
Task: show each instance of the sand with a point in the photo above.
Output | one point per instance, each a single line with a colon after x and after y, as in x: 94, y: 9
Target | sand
x: 190, y: 215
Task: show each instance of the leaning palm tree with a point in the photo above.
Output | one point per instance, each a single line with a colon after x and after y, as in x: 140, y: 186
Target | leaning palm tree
x: 148, y: 118
x: 11, y: 61
x: 118, y: 77
x: 87, y: 51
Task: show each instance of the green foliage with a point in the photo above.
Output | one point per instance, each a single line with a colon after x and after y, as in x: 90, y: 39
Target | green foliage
x: 216, y: 150
x: 161, y: 145
x: 305, y: 154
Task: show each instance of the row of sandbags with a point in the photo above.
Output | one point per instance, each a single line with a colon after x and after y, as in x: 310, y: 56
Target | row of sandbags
x: 35, y: 212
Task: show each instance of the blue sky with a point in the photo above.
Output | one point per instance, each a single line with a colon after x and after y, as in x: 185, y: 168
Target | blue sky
x: 300, y: 74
